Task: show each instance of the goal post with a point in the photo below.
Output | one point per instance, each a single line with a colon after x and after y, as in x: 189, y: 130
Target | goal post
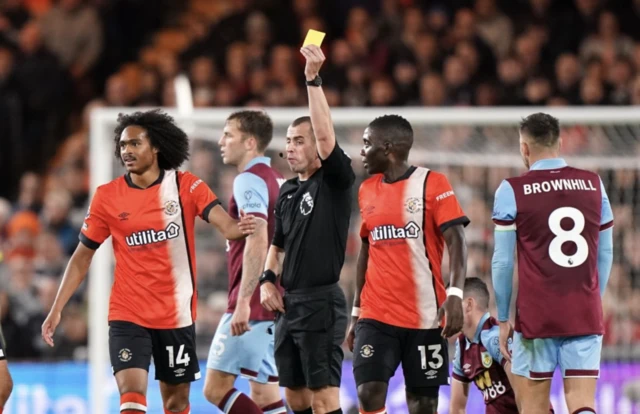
x: 450, y: 137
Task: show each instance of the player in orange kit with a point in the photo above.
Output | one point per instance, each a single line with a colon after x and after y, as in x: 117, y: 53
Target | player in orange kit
x: 407, y: 215
x: 6, y: 382
x: 150, y: 213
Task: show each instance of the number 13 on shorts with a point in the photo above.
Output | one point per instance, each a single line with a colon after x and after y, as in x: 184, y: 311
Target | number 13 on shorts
x: 435, y: 357
x: 181, y: 359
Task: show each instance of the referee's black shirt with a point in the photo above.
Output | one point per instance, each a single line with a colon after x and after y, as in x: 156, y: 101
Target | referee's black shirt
x: 312, y: 223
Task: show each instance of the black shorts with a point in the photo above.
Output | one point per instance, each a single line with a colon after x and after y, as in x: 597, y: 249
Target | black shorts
x: 173, y: 351
x: 309, y: 337
x: 379, y: 349
x: 3, y: 352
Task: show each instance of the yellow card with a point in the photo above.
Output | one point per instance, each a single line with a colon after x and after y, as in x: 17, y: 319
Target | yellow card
x: 314, y: 37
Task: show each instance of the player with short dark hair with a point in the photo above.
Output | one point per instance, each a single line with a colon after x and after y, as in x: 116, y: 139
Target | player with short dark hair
x: 478, y: 358
x: 312, y: 225
x: 561, y: 221
x: 243, y: 343
x: 150, y: 214
x: 408, y: 213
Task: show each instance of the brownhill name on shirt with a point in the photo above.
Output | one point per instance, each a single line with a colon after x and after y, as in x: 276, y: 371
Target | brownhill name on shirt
x: 561, y: 184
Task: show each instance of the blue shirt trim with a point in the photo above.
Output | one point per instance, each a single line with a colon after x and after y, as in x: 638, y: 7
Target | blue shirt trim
x: 504, y: 204
x: 491, y: 341
x: 258, y: 160
x: 548, y: 164
x: 476, y: 337
x: 251, y: 194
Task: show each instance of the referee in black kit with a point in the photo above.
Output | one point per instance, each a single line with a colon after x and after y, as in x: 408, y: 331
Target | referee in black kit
x: 312, y: 223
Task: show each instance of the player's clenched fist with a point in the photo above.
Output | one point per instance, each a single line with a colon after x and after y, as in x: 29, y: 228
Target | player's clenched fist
x: 240, y: 318
x: 315, y: 59
x: 351, y: 336
x: 506, y: 332
x: 271, y: 298
x: 247, y: 223
x: 49, y: 327
x: 452, y: 310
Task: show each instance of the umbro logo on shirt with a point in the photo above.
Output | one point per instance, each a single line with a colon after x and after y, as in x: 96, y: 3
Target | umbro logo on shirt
x: 124, y: 216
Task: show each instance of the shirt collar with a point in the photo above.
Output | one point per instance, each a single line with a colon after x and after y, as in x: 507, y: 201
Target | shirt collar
x: 130, y: 183
x: 548, y: 164
x: 476, y: 337
x: 258, y: 160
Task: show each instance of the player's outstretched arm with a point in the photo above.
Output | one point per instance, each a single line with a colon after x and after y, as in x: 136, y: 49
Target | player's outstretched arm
x: 253, y: 261
x: 270, y: 296
x: 361, y: 271
x: 605, y: 258
x: 318, y: 106
x: 605, y: 241
x: 452, y: 306
x: 502, y: 265
x: 231, y: 229
x: 73, y: 275
x: 459, y: 397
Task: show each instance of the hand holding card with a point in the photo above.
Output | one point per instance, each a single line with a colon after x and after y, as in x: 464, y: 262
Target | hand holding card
x: 314, y: 37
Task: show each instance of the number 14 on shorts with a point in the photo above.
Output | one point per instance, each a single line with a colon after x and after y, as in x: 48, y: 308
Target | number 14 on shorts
x: 181, y: 358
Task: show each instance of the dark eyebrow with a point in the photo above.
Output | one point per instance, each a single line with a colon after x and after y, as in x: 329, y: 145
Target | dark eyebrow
x: 124, y: 141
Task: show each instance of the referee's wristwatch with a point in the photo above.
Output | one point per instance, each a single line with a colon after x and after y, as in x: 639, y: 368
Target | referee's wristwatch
x: 267, y: 277
x: 317, y: 81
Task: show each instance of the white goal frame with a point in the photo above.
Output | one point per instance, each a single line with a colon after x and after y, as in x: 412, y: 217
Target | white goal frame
x: 211, y: 120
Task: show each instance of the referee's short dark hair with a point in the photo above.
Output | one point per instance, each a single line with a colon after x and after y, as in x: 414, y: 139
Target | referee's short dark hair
x: 475, y: 287
x: 256, y: 124
x: 397, y: 130
x: 301, y: 120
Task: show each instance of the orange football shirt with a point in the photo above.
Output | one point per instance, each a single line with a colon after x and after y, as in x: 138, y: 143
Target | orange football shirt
x: 404, y: 222
x: 152, y: 231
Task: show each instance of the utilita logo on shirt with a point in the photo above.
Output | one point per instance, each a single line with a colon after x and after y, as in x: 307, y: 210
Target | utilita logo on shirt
x: 391, y: 232
x: 152, y: 236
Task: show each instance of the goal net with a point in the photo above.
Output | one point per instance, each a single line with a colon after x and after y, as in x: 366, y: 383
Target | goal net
x: 475, y: 148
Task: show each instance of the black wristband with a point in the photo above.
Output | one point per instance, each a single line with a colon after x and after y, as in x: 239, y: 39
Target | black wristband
x: 268, y: 276
x: 317, y: 81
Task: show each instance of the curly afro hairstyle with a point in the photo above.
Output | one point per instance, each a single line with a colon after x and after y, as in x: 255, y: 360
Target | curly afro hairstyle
x: 171, y: 142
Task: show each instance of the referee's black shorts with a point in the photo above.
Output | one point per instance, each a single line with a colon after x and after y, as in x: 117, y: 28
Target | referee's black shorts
x: 309, y: 337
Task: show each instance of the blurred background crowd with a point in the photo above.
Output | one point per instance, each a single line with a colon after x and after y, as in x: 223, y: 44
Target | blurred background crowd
x: 60, y: 59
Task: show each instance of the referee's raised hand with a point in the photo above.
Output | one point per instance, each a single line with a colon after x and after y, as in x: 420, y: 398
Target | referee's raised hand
x: 271, y: 298
x: 315, y: 59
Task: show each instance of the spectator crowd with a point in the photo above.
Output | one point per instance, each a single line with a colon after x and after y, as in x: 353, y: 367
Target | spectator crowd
x: 60, y: 59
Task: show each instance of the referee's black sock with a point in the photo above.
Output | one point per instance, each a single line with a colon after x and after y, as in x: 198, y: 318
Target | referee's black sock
x: 338, y: 411
x: 307, y: 411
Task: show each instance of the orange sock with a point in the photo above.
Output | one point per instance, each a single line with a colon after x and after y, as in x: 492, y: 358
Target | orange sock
x: 133, y: 403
